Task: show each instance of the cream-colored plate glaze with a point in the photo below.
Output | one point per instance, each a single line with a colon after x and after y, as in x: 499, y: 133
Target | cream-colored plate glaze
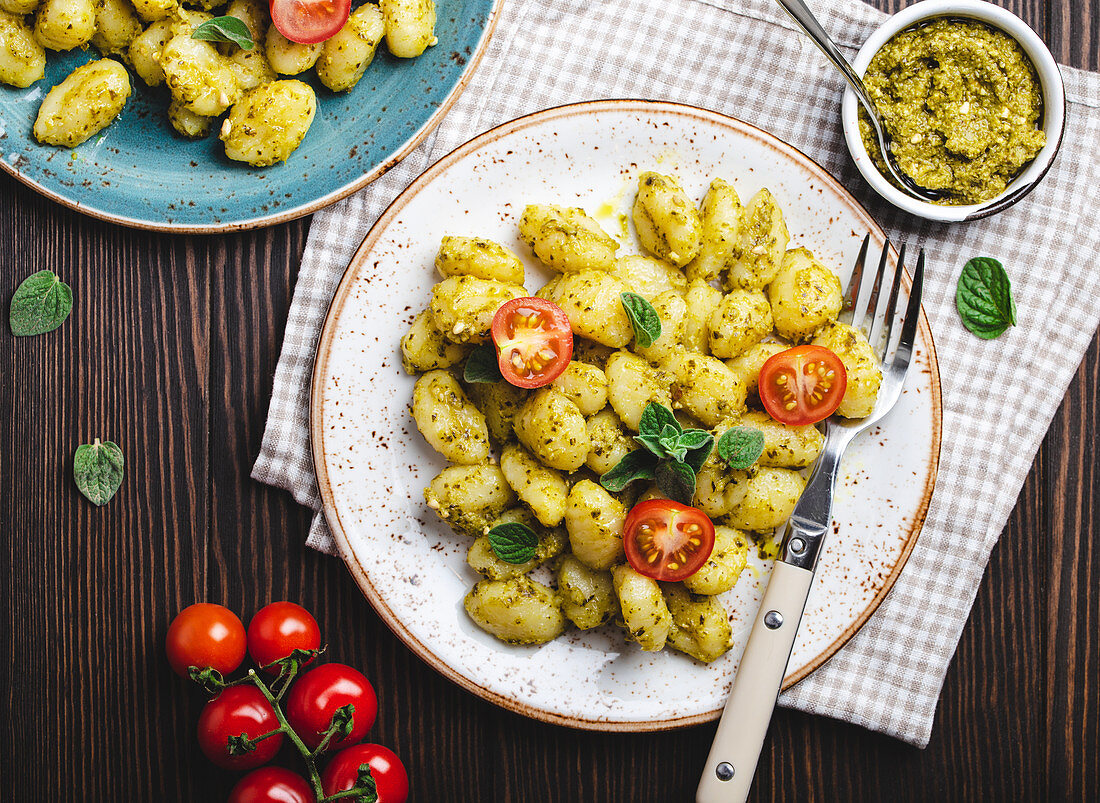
x: 372, y: 464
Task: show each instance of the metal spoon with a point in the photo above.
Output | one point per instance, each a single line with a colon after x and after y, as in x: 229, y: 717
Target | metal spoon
x: 808, y: 22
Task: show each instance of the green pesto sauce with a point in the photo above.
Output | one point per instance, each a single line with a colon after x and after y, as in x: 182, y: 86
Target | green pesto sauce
x: 961, y: 102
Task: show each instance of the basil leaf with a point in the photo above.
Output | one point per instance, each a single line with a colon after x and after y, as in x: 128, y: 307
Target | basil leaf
x: 40, y: 304
x: 698, y: 455
x: 676, y: 481
x: 644, y: 319
x: 482, y: 366
x: 225, y: 29
x: 636, y: 465
x: 984, y: 298
x: 514, y: 542
x: 97, y: 469
x: 740, y: 447
x: 655, y: 417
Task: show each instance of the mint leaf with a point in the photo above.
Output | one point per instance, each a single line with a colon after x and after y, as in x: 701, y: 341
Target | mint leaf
x: 636, y: 465
x: 655, y: 417
x: 97, y: 469
x: 225, y: 29
x: 984, y: 298
x: 643, y: 318
x: 40, y: 304
x: 740, y: 447
x: 676, y: 481
x: 482, y: 366
x: 513, y: 543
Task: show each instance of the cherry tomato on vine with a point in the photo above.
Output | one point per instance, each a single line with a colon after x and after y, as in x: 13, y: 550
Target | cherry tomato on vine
x: 802, y: 385
x: 272, y: 785
x: 387, y: 769
x: 309, y: 21
x: 316, y: 695
x: 205, y: 635
x: 235, y: 711
x: 534, y: 341
x: 280, y: 628
x: 666, y: 540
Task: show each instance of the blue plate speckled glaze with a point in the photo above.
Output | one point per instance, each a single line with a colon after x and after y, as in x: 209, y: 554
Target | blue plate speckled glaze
x: 139, y: 172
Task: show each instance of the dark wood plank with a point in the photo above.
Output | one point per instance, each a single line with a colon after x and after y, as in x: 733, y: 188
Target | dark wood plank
x: 171, y: 350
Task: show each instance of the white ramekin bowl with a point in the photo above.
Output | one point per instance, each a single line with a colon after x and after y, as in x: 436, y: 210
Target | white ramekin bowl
x: 1050, y: 81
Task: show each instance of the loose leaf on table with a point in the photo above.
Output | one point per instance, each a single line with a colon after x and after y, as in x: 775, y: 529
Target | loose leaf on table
x: 513, y: 543
x: 644, y: 319
x: 636, y: 465
x: 740, y: 447
x: 676, y: 481
x: 482, y: 365
x: 225, y: 29
x: 40, y: 304
x: 97, y: 469
x: 984, y: 298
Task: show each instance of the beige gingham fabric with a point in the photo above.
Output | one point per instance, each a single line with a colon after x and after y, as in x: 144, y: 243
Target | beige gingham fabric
x: 746, y: 59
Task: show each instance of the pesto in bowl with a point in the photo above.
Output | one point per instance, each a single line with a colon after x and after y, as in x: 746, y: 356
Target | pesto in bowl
x: 962, y: 103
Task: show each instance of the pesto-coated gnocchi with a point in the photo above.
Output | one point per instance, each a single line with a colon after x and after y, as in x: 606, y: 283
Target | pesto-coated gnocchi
x: 649, y: 277
x: 409, y: 26
x: 269, y: 122
x: 704, y: 387
x: 742, y: 319
x: 748, y: 363
x: 770, y: 496
x: 672, y: 310
x: 290, y: 58
x: 721, y: 227
x: 478, y: 257
x: 187, y: 123
x: 645, y: 613
x: 517, y: 610
x: 145, y: 52
x: 762, y: 242
x: 64, y: 24
x: 594, y: 521
x: 667, y: 222
x: 785, y: 445
x: 700, y: 626
x: 553, y: 429
x: 585, y: 385
x: 587, y: 595
x: 469, y: 498
x: 702, y: 300
x: 723, y: 568
x: 542, y: 489
x: 592, y: 300
x: 423, y: 348
x: 463, y: 306
x: 566, y: 238
x: 804, y: 296
x: 197, y: 74
x: 449, y: 421
x: 483, y: 560
x: 85, y: 103
x: 864, y: 373
x: 22, y: 58
x: 346, y: 56
x: 500, y: 403
x: 117, y: 25
x: 609, y: 442
x: 632, y: 383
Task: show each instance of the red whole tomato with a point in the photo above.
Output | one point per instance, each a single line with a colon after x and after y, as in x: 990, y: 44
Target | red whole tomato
x: 272, y: 785
x: 387, y: 769
x: 238, y: 710
x: 206, y: 636
x: 802, y: 385
x: 309, y: 21
x: 316, y: 695
x: 534, y: 341
x: 278, y: 629
x: 666, y: 540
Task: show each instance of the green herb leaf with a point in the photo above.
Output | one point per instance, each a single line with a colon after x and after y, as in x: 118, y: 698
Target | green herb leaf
x: 676, y: 481
x: 644, y: 319
x: 482, y: 365
x: 40, y: 304
x: 97, y: 469
x: 740, y: 447
x: 652, y: 443
x: 697, y: 455
x: 694, y: 438
x: 984, y: 298
x: 225, y: 29
x: 636, y: 465
x: 655, y: 417
x: 513, y: 543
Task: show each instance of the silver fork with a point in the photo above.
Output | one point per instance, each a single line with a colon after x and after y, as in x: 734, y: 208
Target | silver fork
x: 735, y: 751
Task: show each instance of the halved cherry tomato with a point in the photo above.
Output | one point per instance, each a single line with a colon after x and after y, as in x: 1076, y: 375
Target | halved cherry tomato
x: 534, y: 341
x: 278, y: 629
x: 205, y: 635
x: 802, y: 385
x: 309, y: 21
x: 666, y: 540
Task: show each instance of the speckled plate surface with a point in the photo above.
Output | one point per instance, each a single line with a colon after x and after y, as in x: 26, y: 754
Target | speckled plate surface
x: 372, y: 464
x: 139, y: 172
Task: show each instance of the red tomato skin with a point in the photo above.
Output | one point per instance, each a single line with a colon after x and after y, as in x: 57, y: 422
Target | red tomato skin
x: 237, y: 710
x: 272, y: 785
x: 205, y: 635
x: 316, y: 695
x: 309, y: 21
x: 387, y: 769
x: 278, y: 629
x: 661, y: 508
x: 561, y: 330
x: 782, y: 362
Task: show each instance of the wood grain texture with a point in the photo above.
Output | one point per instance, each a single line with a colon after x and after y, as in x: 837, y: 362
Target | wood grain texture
x: 171, y: 350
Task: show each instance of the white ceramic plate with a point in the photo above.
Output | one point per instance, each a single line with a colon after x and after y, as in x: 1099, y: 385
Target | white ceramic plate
x: 372, y: 464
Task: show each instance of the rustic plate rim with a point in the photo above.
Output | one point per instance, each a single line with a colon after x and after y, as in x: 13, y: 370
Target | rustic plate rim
x: 308, y: 208
x: 324, y: 345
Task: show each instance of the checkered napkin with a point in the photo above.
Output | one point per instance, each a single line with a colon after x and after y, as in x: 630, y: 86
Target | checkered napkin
x: 745, y: 58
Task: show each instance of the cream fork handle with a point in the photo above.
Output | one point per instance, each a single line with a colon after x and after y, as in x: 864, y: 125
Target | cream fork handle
x: 756, y: 686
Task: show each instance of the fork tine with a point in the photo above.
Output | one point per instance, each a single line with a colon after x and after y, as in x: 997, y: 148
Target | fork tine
x: 912, y: 315
x: 876, y: 290
x: 852, y: 293
x: 880, y: 340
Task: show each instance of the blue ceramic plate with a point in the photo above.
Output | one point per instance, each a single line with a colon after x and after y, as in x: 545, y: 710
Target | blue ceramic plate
x: 139, y: 172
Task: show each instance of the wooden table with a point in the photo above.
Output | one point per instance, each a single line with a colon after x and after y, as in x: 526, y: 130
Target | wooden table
x: 171, y: 351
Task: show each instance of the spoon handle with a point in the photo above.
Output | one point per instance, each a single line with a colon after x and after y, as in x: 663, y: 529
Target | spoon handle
x: 805, y: 18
